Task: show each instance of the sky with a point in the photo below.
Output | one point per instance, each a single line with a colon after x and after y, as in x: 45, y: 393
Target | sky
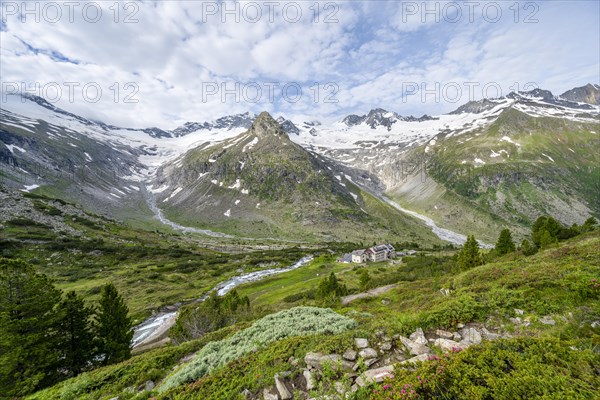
x: 163, y: 63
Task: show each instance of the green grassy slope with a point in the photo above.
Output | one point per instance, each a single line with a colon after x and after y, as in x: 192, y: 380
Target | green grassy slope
x: 509, y: 173
x: 561, y: 282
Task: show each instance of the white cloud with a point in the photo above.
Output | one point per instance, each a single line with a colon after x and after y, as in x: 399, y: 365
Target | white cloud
x: 171, y: 52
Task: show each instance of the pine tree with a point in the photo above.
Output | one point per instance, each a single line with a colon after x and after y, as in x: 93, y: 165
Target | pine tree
x: 545, y: 224
x: 547, y: 240
x: 589, y: 225
x: 76, y: 336
x: 527, y: 248
x: 505, y: 243
x: 114, y: 326
x: 330, y: 288
x: 28, y: 321
x: 364, y: 280
x: 469, y: 256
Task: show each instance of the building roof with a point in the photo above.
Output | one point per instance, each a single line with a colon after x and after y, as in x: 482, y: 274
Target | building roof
x: 381, y: 247
x: 346, y: 258
x: 358, y: 252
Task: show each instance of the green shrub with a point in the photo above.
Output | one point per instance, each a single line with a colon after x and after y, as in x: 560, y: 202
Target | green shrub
x: 299, y: 321
x: 504, y: 369
x: 461, y: 309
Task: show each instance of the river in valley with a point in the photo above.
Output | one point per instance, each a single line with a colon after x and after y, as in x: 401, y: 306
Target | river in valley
x: 159, y: 323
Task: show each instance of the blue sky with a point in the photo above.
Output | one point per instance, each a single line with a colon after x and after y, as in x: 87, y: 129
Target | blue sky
x: 176, y: 59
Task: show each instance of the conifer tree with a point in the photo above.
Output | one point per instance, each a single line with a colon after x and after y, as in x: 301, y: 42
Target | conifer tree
x: 364, y: 280
x: 527, y: 248
x: 28, y: 334
x: 505, y: 243
x: 469, y: 256
x: 114, y: 326
x: 76, y: 336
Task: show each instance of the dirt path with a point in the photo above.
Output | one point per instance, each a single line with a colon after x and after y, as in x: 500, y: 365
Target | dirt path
x: 371, y: 293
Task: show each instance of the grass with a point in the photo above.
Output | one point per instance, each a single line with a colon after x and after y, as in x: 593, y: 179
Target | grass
x: 560, y: 281
x: 150, y: 269
x: 514, y: 188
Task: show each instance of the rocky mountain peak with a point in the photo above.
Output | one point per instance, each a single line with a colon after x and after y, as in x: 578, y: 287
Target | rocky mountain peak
x: 266, y: 126
x: 585, y: 94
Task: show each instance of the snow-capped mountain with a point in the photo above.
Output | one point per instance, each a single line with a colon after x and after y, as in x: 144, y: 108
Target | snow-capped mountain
x: 380, y: 117
x: 376, y: 150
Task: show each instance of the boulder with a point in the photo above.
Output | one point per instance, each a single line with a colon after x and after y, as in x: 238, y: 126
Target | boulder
x: 444, y: 334
x: 149, y: 386
x: 361, y: 343
x: 335, y: 361
x: 310, y: 380
x: 519, y: 311
x: 371, y: 361
x: 375, y: 375
x: 368, y: 353
x: 313, y: 360
x: 284, y: 393
x: 418, y: 337
x: 470, y: 336
x: 268, y: 396
x: 350, y: 355
x: 448, y: 345
x: 414, y: 348
x: 414, y: 360
x: 489, y: 335
x: 386, y: 346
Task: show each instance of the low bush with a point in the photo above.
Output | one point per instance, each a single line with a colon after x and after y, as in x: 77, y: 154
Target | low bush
x: 505, y: 369
x: 299, y: 321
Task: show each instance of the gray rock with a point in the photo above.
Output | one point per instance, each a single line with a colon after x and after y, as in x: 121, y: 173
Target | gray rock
x: 418, y: 337
x: 448, y: 345
x: 595, y: 324
x: 268, y: 396
x: 370, y: 361
x: 313, y: 360
x: 149, y: 386
x: 547, y: 320
x: 516, y: 321
x: 361, y: 343
x: 489, y: 335
x: 444, y: 334
x: 456, y: 337
x: 284, y: 393
x: 386, y: 346
x: 519, y: 311
x: 350, y: 355
x: 470, y: 336
x: 335, y: 361
x: 375, y: 375
x: 414, y: 360
x: 368, y: 353
x: 310, y: 379
x: 414, y: 348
